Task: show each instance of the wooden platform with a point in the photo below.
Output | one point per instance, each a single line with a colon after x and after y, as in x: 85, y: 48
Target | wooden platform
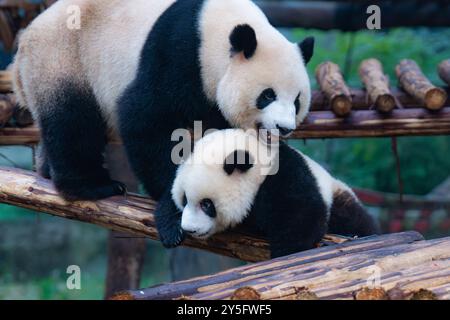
x: 408, y: 268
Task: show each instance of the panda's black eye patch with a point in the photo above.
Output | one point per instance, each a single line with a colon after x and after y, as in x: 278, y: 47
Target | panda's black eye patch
x: 297, y: 104
x: 208, y: 207
x: 265, y: 98
x: 184, y: 200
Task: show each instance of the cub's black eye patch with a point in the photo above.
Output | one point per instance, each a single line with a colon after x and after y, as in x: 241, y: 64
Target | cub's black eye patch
x: 265, y: 98
x: 208, y: 207
x: 184, y: 200
x: 297, y: 104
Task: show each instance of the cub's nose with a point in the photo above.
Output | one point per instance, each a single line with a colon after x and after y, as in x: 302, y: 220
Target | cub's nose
x: 284, y: 131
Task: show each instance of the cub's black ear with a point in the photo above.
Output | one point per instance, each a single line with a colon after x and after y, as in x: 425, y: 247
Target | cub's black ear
x: 307, y: 49
x: 238, y: 160
x: 243, y: 39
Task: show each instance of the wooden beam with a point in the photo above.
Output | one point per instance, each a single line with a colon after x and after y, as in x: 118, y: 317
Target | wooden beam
x: 403, y: 261
x: 444, y: 71
x: 321, y: 125
x: 401, y: 122
x: 352, y: 16
x: 132, y: 215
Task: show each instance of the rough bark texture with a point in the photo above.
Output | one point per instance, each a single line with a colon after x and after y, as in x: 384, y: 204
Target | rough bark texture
x: 333, y: 85
x: 132, y: 215
x: 444, y: 71
x: 403, y: 261
x: 125, y: 254
x: 413, y: 81
x: 377, y: 85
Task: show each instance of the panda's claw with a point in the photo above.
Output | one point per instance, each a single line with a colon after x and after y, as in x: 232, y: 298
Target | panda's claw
x: 172, y: 239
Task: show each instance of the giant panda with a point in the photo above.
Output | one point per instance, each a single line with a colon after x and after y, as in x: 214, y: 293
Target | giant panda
x: 143, y: 68
x: 232, y: 177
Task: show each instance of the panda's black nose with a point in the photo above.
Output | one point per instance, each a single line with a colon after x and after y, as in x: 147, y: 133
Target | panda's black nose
x: 284, y: 131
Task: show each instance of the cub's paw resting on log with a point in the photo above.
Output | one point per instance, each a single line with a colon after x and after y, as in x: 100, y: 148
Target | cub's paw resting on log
x: 168, y: 222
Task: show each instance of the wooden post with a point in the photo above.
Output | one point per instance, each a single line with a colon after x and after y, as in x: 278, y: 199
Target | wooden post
x: 444, y: 71
x: 377, y: 85
x: 125, y: 253
x: 333, y: 85
x: 413, y: 81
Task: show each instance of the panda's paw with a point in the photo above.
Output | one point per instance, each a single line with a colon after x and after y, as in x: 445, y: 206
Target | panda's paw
x: 172, y: 238
x: 92, y: 193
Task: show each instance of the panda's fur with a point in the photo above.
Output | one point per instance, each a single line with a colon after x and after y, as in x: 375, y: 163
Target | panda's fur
x: 293, y: 207
x: 143, y: 68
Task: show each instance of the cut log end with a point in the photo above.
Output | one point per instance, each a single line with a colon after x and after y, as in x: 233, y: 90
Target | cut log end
x: 341, y: 105
x: 246, y: 293
x: 385, y: 103
x: 435, y: 98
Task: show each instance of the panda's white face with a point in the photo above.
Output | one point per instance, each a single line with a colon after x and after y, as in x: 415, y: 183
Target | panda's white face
x: 213, y: 192
x: 266, y: 84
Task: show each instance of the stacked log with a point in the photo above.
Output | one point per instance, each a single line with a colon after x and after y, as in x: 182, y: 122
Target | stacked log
x: 332, y: 83
x: 444, y: 71
x: 395, y: 266
x: 377, y: 85
x: 413, y: 81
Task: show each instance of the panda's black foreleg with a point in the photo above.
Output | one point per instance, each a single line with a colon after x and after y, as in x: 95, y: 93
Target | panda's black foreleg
x: 74, y: 137
x: 42, y: 162
x: 348, y: 217
x: 168, y: 222
x: 289, y: 232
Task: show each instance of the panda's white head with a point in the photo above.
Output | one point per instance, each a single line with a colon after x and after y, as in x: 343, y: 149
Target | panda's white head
x: 266, y: 84
x: 216, y: 186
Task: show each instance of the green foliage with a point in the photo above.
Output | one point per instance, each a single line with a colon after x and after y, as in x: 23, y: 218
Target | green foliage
x: 370, y: 163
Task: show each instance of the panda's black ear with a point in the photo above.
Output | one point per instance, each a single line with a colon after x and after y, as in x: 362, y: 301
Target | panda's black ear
x: 307, y: 49
x: 243, y: 39
x: 238, y: 160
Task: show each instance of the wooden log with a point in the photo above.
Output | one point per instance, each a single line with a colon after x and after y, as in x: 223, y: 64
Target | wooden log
x: 444, y: 71
x: 333, y: 85
x: 19, y: 136
x: 400, y: 122
x: 329, y: 272
x: 377, y: 85
x: 5, y: 82
x: 132, y: 215
x: 6, y: 110
x: 352, y: 15
x: 413, y: 81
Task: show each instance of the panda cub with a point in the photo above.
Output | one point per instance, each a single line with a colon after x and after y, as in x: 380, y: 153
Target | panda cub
x: 232, y: 177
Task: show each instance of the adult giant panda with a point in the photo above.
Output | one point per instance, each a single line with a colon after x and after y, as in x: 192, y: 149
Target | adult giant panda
x: 229, y: 178
x: 145, y: 68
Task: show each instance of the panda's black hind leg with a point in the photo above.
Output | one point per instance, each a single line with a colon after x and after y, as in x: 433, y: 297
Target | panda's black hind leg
x: 74, y: 139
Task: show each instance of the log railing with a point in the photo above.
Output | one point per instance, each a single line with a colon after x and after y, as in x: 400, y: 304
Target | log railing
x: 402, y: 266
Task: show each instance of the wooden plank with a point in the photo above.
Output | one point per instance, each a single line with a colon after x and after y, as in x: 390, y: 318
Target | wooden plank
x: 132, y: 215
x: 279, y: 277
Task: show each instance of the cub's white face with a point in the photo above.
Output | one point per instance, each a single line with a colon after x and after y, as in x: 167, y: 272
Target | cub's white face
x: 213, y: 192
